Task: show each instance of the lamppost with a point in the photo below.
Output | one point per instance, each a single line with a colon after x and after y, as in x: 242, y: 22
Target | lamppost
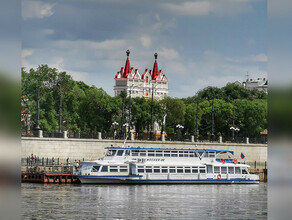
x: 233, y: 129
x: 236, y: 130
x: 180, y: 127
x: 115, y: 124
x: 123, y: 94
x: 130, y: 108
x: 151, y: 123
x: 126, y: 125
x: 212, y: 131
x: 197, y: 125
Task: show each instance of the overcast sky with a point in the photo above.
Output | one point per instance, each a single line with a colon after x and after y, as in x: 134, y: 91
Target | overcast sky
x: 199, y: 43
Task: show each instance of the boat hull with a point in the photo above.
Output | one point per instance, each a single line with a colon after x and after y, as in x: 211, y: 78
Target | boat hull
x: 137, y: 180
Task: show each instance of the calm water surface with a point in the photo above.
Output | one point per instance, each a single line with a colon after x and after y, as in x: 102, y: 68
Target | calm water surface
x: 40, y: 201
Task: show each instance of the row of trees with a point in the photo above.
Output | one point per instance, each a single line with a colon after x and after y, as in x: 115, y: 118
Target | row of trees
x: 88, y: 109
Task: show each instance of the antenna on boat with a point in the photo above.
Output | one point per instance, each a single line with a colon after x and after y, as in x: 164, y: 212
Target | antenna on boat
x: 125, y: 140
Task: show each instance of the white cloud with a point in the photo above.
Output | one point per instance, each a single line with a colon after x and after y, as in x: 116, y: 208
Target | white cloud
x: 259, y: 58
x: 146, y: 41
x: 168, y: 54
x: 251, y: 41
x: 76, y: 75
x: 36, y: 9
x: 24, y: 54
x: 190, y: 8
x: 106, y: 45
x: 47, y: 31
x: 213, y: 69
x: 207, y: 7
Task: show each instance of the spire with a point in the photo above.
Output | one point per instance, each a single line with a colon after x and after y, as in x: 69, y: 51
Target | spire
x: 127, y: 65
x: 155, y: 71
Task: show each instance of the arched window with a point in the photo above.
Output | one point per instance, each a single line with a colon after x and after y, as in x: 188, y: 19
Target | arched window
x: 146, y: 79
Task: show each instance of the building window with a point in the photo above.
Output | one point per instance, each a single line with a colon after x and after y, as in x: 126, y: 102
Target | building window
x: 147, y: 81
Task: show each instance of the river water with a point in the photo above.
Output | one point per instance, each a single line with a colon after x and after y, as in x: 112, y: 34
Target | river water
x: 69, y: 201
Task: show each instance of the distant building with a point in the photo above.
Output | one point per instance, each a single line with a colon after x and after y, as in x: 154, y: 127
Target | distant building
x: 141, y: 85
x: 260, y: 84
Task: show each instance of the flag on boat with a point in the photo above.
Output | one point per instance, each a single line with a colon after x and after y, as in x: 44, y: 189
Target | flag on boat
x: 242, y: 155
x: 229, y: 156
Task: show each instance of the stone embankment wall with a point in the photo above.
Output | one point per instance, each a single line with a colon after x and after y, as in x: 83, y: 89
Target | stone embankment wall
x: 91, y: 149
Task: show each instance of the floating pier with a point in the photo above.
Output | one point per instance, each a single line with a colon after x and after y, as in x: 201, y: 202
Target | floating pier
x: 47, y: 178
x: 45, y: 171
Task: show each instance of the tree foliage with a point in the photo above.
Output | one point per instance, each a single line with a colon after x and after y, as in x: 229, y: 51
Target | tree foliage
x: 89, y: 109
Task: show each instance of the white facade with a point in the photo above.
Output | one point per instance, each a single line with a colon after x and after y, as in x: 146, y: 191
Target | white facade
x: 260, y: 84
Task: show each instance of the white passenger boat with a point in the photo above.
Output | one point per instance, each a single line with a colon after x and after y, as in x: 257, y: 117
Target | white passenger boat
x: 164, y: 165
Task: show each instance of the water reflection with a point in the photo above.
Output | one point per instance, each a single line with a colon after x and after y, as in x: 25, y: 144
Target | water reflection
x: 144, y: 201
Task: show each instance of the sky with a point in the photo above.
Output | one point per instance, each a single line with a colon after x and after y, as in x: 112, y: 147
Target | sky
x: 199, y: 43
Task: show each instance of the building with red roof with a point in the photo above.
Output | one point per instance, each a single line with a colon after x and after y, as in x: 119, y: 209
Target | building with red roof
x: 152, y: 80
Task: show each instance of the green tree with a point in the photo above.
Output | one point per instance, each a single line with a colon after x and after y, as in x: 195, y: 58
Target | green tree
x: 175, y: 110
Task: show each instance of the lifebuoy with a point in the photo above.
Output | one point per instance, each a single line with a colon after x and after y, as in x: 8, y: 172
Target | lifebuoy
x: 223, y: 161
x: 219, y: 176
x: 235, y: 161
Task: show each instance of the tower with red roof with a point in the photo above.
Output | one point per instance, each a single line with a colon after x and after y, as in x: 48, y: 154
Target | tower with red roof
x: 130, y: 80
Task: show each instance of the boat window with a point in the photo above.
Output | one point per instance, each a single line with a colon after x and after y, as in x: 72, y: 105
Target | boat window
x: 148, y: 170
x: 231, y: 170
x: 195, y: 170
x: 164, y: 170
x: 140, y: 166
x: 95, y: 168
x: 206, y: 154
x: 150, y: 153
x: 216, y: 169
x: 174, y: 154
x: 166, y: 153
x: 181, y: 153
x: 111, y: 152
x: 200, y: 153
x: 123, y: 169
x: 192, y: 153
x: 244, y: 171
x: 104, y: 169
x: 209, y: 169
x: 237, y: 170
x: 135, y: 153
x: 120, y: 153
x: 180, y: 170
x: 186, y: 154
x: 202, y: 170
x: 141, y: 170
x: 156, y: 169
x: 195, y: 154
x: 159, y: 153
x: 113, y: 169
x: 127, y: 153
x: 86, y: 166
x: 187, y: 169
x: 142, y: 153
x: 212, y: 154
x: 223, y: 170
x: 172, y: 169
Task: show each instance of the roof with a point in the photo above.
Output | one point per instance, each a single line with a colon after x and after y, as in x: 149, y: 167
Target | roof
x: 127, y: 70
x: 180, y: 149
x: 155, y: 71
